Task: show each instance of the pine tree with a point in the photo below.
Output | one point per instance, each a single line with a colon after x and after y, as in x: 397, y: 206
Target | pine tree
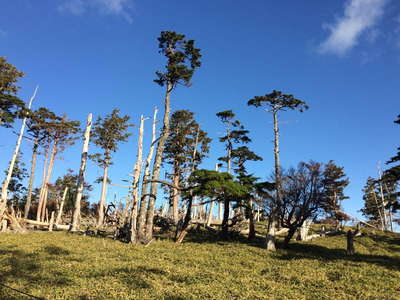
x: 276, y: 102
x: 182, y: 60
x: 11, y: 106
x: 107, y: 133
x: 185, y: 135
x: 335, y: 182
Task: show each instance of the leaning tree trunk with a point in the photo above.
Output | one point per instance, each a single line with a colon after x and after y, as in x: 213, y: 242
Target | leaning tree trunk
x: 157, y: 165
x: 45, y: 162
x: 61, y: 208
x: 289, y: 236
x: 135, y: 183
x: 141, y: 223
x: 100, y: 219
x: 48, y: 176
x: 31, y: 178
x: 4, y: 189
x: 81, y: 179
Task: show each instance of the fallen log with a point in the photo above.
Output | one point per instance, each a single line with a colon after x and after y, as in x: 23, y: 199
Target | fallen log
x: 39, y: 223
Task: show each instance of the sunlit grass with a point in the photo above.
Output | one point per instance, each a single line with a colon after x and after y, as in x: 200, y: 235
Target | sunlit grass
x: 63, y: 266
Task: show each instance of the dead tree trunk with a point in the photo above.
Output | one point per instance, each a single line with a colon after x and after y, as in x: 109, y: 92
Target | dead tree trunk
x: 4, y: 190
x: 31, y: 178
x: 103, y: 195
x: 252, y: 230
x: 135, y: 184
x: 81, y: 179
x: 175, y: 194
x: 270, y: 241
x: 46, y: 158
x: 61, y: 208
x: 48, y: 176
x: 157, y: 165
x: 141, y: 223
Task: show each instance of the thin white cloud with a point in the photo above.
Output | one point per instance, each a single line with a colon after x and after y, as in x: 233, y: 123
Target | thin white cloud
x: 109, y: 7
x: 359, y: 16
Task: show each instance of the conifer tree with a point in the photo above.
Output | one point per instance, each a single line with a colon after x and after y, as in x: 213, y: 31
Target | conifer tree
x: 10, y: 105
x: 274, y: 103
x: 182, y: 60
x: 185, y: 134
x: 107, y: 133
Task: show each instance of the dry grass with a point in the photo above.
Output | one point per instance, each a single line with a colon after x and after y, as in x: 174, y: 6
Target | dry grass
x: 63, y: 266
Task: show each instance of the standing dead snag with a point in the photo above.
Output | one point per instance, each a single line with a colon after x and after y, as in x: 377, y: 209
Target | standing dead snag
x: 135, y: 183
x: 141, y: 219
x: 4, y: 190
x: 81, y: 179
x: 350, y: 239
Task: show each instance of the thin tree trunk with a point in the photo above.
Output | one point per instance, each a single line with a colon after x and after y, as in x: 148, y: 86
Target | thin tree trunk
x: 141, y: 223
x: 51, y: 223
x: 48, y: 176
x: 81, y: 178
x: 157, y: 165
x: 135, y: 183
x: 61, y: 208
x: 379, y: 211
x: 100, y: 219
x: 175, y: 195
x: 4, y: 190
x: 224, y: 226
x: 40, y: 202
x: 31, y: 178
x: 210, y: 213
x: 252, y: 230
x: 288, y: 237
x: 270, y: 243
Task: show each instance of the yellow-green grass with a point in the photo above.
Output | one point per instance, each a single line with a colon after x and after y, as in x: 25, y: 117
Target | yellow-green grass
x: 59, y: 265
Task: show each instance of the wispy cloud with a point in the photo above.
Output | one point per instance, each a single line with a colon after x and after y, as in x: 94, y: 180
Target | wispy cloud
x: 110, y: 7
x: 359, y: 16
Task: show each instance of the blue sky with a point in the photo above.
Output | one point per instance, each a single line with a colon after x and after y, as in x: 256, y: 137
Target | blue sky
x: 341, y: 57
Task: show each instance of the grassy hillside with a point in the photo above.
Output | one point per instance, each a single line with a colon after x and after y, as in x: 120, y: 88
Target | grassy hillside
x: 63, y: 266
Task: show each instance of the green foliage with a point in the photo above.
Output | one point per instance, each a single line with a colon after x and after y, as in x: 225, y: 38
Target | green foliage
x: 70, y: 180
x: 179, y: 147
x: 107, y: 133
x: 335, y: 181
x: 182, y: 59
x: 58, y: 265
x: 10, y: 105
x: 41, y: 124
x: 16, y: 187
x: 277, y: 101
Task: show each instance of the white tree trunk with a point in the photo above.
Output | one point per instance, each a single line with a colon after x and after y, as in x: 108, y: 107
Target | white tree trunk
x: 4, y: 190
x: 143, y: 201
x: 135, y: 184
x: 81, y: 178
x: 61, y: 208
x: 103, y: 195
x: 210, y: 213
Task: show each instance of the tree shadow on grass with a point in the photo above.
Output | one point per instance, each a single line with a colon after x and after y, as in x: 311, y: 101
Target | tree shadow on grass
x: 310, y: 251
x: 27, y: 269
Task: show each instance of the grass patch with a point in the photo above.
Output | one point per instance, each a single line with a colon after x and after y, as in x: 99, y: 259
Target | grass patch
x: 59, y: 265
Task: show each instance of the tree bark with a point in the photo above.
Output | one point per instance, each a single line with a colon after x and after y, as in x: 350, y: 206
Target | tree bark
x: 48, y: 177
x: 81, y: 178
x: 276, y: 209
x: 289, y: 236
x: 224, y: 226
x: 103, y: 195
x: 31, y: 178
x: 61, y: 208
x: 252, y: 230
x: 40, y: 202
x: 270, y: 241
x: 175, y: 194
x: 141, y: 223
x: 157, y: 164
x: 4, y: 190
x: 51, y: 223
x: 135, y: 184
